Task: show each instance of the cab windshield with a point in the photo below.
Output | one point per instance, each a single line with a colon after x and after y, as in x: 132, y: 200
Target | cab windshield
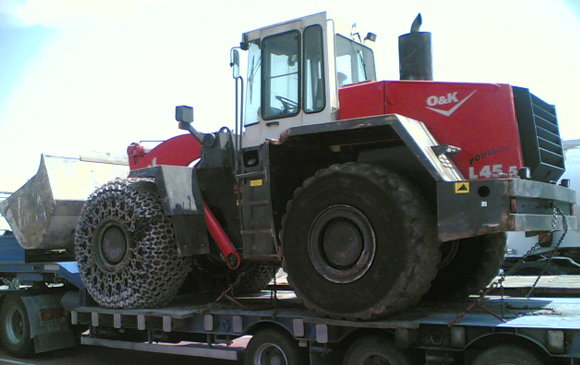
x: 354, y: 62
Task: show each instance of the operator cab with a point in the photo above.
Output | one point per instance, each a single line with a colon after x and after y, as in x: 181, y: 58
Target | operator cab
x: 294, y: 72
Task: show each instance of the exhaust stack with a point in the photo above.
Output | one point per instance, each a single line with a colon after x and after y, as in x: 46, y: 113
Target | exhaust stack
x: 415, y: 61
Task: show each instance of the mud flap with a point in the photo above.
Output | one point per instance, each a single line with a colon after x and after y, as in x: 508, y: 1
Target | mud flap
x: 181, y: 199
x: 48, y: 334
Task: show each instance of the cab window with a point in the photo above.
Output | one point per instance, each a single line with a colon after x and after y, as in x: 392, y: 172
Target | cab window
x: 254, y: 84
x: 354, y: 62
x: 281, y: 75
x: 314, y: 88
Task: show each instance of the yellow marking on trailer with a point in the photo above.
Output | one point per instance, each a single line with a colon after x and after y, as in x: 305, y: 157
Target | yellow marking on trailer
x: 254, y: 183
x: 461, y: 188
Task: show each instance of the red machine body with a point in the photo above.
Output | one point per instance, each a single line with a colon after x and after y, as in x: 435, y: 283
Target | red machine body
x: 478, y: 118
x: 177, y: 151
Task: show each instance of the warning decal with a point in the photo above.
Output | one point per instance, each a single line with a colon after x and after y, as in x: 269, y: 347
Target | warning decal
x: 461, y: 188
x: 260, y: 182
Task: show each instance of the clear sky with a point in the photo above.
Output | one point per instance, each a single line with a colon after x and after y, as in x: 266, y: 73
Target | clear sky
x: 82, y: 75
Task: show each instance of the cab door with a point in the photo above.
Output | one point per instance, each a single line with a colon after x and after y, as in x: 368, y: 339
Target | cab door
x: 288, y: 78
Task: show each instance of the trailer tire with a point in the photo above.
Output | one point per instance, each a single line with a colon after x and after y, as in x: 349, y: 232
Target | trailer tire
x: 375, y: 350
x: 508, y: 354
x: 125, y: 247
x: 359, y: 242
x: 475, y: 264
x: 274, y: 346
x: 15, y: 328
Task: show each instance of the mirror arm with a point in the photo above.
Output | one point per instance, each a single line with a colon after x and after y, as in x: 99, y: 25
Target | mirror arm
x: 188, y: 127
x: 184, y: 115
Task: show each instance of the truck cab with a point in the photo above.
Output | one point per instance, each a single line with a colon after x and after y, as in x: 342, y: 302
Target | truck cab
x: 294, y: 72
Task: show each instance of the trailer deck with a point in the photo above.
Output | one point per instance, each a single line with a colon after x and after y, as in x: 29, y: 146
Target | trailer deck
x: 548, y: 286
x: 430, y: 326
x: 563, y: 313
x: 215, y: 326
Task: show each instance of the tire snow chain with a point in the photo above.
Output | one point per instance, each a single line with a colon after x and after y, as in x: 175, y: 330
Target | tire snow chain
x: 143, y: 203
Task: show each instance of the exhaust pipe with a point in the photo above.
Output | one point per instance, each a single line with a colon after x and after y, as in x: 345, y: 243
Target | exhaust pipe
x: 415, y: 61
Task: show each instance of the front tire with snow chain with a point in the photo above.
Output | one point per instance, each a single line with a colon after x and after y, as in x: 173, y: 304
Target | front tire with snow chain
x: 125, y: 247
x: 359, y: 242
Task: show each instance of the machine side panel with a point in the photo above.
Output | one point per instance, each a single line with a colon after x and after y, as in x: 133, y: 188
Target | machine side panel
x: 362, y: 100
x: 478, y: 118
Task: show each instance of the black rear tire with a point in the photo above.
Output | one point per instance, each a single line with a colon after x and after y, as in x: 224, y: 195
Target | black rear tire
x: 273, y: 346
x: 476, y: 262
x: 126, y: 249
x: 359, y: 242
x: 15, y: 327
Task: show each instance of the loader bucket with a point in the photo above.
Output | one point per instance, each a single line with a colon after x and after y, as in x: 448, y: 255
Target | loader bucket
x: 44, y: 212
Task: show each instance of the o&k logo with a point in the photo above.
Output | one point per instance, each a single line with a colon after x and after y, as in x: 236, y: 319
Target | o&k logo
x: 444, y: 100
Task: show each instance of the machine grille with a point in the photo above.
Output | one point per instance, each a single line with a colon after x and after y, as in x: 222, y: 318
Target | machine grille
x: 540, y: 136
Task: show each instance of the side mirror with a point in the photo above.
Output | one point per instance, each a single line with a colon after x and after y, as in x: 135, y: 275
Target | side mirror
x: 235, y: 63
x: 184, y: 114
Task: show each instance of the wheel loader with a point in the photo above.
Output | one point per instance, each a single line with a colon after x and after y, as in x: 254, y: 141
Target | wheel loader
x: 369, y: 194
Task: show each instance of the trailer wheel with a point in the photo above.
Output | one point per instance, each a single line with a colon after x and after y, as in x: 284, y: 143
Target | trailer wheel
x: 508, y: 354
x: 125, y: 247
x: 273, y: 346
x: 15, y: 328
x: 374, y: 350
x: 359, y: 242
x: 475, y: 263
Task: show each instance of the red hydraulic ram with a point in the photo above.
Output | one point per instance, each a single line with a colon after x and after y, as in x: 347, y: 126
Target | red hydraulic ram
x: 231, y: 255
x: 182, y: 151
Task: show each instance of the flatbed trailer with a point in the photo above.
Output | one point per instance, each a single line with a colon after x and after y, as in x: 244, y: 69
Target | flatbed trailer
x: 431, y: 333
x: 44, y: 308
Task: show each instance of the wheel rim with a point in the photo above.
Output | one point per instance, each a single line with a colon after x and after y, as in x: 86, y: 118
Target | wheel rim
x: 341, y: 244
x: 372, y: 358
x: 112, y: 245
x: 14, y: 326
x: 270, y: 354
